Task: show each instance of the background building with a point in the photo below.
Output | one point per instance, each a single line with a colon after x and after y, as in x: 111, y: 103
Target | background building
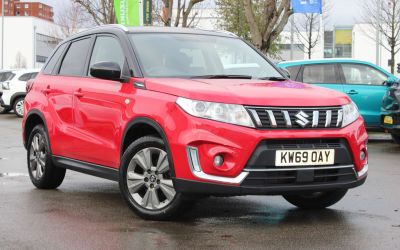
x: 18, y: 8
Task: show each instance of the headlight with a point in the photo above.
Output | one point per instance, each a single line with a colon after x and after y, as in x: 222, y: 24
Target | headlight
x: 350, y: 113
x: 229, y: 113
x: 5, y: 85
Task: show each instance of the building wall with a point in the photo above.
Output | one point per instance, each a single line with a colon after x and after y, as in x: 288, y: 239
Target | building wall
x: 18, y: 8
x: 23, y: 38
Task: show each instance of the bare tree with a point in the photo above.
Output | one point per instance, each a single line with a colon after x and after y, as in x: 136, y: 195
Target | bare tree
x: 308, y: 28
x: 20, y: 61
x: 101, y: 11
x: 184, y: 16
x: 266, y: 20
x: 70, y: 19
x: 384, y: 16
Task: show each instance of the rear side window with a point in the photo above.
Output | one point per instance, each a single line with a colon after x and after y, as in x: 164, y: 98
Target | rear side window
x: 54, y: 59
x: 6, y: 76
x: 25, y: 77
x: 33, y: 75
x: 294, y: 70
x: 319, y: 73
x: 75, y: 59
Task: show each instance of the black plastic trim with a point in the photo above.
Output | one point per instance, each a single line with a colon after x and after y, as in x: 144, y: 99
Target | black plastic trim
x: 194, y: 187
x: 86, y: 168
x: 30, y: 113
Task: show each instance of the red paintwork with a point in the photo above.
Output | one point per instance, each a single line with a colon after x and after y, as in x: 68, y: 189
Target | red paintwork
x: 87, y: 117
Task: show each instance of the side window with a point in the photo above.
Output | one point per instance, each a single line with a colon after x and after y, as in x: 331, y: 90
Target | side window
x: 25, y: 77
x: 319, y: 73
x: 75, y: 59
x: 33, y: 75
x: 362, y: 74
x: 107, y: 49
x: 54, y: 59
x: 294, y: 70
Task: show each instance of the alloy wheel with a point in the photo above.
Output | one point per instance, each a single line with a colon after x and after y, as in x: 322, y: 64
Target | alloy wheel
x: 19, y: 108
x: 149, y: 179
x: 37, y: 156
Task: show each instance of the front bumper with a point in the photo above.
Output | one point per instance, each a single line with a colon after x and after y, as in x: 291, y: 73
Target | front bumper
x: 394, y: 117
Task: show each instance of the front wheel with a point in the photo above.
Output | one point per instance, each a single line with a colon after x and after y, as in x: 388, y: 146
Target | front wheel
x: 19, y: 106
x: 396, y: 138
x: 316, y: 200
x: 146, y: 180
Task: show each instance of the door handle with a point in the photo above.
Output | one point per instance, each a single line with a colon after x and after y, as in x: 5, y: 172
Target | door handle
x: 78, y: 93
x: 352, y: 92
x: 47, y: 90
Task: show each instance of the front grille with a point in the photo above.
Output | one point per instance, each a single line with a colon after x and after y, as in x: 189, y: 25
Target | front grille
x: 296, y: 118
x: 299, y: 177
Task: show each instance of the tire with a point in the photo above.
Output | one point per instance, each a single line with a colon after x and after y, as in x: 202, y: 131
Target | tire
x: 47, y: 176
x: 317, y: 200
x: 396, y: 138
x: 151, y: 194
x: 18, y: 106
x: 4, y: 110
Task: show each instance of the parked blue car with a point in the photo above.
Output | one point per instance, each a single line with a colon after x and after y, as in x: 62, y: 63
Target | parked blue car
x: 364, y: 82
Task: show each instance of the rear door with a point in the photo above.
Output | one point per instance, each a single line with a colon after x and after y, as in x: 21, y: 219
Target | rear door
x: 324, y: 75
x: 364, y: 85
x: 57, y: 81
x: 99, y: 107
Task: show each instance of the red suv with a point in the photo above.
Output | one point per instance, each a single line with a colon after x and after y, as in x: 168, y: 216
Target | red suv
x: 175, y: 114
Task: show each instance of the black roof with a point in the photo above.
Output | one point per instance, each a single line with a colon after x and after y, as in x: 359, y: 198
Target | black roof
x: 149, y: 29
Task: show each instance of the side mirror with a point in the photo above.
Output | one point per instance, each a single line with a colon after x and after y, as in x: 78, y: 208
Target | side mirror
x: 286, y: 72
x: 391, y: 82
x: 106, y: 71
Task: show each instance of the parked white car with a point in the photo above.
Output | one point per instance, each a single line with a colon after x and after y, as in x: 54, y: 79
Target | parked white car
x: 5, y: 75
x: 14, y: 90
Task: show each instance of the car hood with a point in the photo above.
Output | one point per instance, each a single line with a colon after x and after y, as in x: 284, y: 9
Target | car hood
x: 249, y: 92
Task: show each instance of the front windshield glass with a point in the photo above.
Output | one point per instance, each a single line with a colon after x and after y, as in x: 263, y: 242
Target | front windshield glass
x: 191, y: 56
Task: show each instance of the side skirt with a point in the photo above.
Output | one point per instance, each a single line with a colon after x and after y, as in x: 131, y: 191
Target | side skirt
x: 86, y: 168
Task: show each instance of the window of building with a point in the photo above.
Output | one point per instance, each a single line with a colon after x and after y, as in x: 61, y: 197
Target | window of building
x: 26, y: 6
x: 319, y: 73
x: 74, y: 61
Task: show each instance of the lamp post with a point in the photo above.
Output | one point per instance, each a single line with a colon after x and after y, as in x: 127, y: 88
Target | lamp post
x: 2, y: 34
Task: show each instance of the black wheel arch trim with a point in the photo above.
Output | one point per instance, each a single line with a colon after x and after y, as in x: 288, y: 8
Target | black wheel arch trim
x: 40, y: 114
x: 145, y: 120
x: 16, y: 96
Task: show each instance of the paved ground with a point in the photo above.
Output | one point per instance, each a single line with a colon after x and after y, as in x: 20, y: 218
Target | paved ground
x: 88, y: 213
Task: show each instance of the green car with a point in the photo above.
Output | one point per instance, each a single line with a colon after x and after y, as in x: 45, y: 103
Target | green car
x: 364, y: 82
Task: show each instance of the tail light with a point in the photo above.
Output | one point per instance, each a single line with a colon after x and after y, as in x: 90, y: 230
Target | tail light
x: 29, y: 85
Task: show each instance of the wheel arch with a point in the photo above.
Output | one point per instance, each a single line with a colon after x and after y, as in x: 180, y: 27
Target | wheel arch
x: 142, y: 126
x: 15, y: 97
x: 33, y: 118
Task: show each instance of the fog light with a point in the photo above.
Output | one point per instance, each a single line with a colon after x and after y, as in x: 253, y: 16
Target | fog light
x: 218, y: 160
x: 362, y: 155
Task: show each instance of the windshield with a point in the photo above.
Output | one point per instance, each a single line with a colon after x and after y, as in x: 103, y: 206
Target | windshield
x: 191, y: 56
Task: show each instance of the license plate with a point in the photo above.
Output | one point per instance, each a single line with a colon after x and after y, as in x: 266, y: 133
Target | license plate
x: 388, y: 120
x: 312, y: 157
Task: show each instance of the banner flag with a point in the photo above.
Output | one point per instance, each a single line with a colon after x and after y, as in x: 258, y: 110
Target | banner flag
x: 307, y: 6
x: 127, y: 12
x: 147, y: 9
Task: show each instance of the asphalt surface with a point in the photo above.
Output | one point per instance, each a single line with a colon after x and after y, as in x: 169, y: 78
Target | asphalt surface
x: 89, y: 213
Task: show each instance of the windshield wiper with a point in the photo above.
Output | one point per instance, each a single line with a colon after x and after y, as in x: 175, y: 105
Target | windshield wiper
x: 222, y: 77
x: 273, y: 78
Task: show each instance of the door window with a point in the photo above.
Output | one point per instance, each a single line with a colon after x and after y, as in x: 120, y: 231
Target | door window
x: 75, y: 59
x: 25, y: 77
x: 293, y: 70
x: 319, y: 73
x: 362, y: 74
x: 107, y: 49
x: 54, y: 59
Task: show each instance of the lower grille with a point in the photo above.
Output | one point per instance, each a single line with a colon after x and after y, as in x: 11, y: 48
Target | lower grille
x: 294, y: 176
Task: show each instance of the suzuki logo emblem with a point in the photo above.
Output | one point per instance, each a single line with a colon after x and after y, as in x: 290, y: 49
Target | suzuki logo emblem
x: 302, y: 119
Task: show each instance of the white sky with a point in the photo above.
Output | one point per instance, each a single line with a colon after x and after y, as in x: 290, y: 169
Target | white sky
x: 343, y: 12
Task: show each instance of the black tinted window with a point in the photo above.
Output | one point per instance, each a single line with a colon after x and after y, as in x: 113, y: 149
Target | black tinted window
x: 5, y: 76
x: 54, y: 59
x: 107, y: 49
x: 293, y: 72
x: 25, y: 77
x: 74, y: 61
x: 33, y: 75
x: 319, y: 73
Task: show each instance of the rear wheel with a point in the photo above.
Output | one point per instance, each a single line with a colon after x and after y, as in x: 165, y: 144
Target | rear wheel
x: 4, y: 110
x: 43, y: 173
x: 396, y: 138
x: 19, y: 106
x: 146, y: 180
x: 316, y: 200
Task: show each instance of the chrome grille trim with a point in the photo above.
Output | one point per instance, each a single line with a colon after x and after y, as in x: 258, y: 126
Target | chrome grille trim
x: 296, y: 118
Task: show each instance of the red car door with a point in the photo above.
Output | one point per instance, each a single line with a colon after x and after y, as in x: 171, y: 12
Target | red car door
x: 99, y: 106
